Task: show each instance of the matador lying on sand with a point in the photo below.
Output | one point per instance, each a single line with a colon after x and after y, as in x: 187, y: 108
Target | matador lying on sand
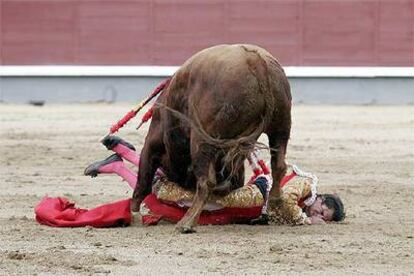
x: 300, y: 202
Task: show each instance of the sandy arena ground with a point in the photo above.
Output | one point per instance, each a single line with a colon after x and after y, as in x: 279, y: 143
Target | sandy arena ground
x: 363, y: 153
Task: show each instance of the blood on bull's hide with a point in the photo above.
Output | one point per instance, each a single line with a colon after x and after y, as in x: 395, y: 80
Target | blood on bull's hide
x: 209, y: 118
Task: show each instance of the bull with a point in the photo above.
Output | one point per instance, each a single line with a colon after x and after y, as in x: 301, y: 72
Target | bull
x: 209, y: 118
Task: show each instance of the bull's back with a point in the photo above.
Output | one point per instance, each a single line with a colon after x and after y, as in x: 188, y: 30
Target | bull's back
x: 228, y: 86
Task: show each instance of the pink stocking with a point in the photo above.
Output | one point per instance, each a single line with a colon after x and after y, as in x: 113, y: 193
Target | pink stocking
x: 127, y: 154
x: 120, y: 169
x: 131, y: 156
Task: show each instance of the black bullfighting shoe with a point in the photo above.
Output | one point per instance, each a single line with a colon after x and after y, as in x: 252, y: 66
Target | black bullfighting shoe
x: 111, y: 141
x: 103, y: 166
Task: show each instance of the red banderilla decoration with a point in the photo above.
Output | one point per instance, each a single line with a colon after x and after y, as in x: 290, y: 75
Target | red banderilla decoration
x: 131, y: 114
x: 146, y: 117
x: 258, y: 165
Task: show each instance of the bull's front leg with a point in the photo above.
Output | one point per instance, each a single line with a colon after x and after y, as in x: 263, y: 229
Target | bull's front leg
x: 150, y: 161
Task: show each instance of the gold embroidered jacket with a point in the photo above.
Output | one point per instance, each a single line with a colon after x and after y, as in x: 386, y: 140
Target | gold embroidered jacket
x: 298, y: 188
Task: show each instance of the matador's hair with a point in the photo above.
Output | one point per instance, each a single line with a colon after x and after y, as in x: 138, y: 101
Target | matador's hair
x: 334, y: 202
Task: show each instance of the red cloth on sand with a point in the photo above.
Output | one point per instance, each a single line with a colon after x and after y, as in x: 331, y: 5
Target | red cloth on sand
x: 59, y: 212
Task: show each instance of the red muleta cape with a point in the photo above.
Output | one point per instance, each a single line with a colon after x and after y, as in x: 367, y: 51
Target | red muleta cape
x: 59, y: 212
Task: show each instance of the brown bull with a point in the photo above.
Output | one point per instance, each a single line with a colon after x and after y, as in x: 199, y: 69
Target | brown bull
x: 210, y: 116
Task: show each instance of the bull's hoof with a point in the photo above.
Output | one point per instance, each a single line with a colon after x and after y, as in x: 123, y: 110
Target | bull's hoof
x: 135, y: 205
x: 185, y: 229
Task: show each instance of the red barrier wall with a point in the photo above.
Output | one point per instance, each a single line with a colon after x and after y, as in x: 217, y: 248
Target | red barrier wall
x: 162, y: 32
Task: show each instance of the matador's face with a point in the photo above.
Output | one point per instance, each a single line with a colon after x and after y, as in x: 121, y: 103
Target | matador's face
x: 320, y: 210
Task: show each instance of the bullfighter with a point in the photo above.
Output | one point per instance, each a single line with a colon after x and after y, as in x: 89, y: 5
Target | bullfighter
x: 300, y: 203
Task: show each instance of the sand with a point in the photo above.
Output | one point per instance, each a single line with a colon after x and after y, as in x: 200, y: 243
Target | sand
x: 363, y: 153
